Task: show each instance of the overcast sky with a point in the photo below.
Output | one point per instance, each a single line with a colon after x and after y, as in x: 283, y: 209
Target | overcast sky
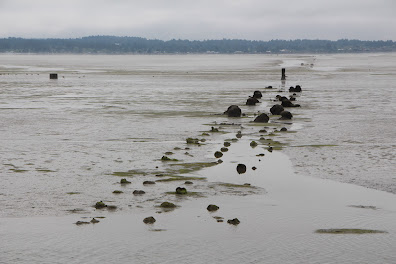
x: 200, y: 19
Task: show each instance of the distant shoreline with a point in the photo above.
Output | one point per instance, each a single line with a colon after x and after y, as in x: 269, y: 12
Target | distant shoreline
x: 135, y: 45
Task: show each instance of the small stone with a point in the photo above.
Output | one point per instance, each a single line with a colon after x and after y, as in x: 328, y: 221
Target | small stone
x: 283, y: 129
x: 224, y: 149
x: 253, y: 144
x: 254, y: 168
x: 239, y: 135
x: 227, y: 144
x: 188, y: 182
x: 220, y: 161
x: 94, y: 221
x: 100, y: 205
x: 212, y: 208
x: 117, y: 192
x: 234, y: 221
x: 218, y: 154
x: 138, y: 192
x: 149, y: 220
x: 81, y: 223
x: 270, y: 149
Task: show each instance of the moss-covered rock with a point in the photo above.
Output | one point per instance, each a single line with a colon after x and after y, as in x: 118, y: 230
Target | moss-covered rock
x: 181, y: 190
x: 124, y: 181
x: 253, y: 144
x: 100, y: 205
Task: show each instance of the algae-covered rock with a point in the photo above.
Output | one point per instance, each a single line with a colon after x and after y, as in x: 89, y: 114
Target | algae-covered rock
x: 100, y: 205
x: 124, y: 181
x: 218, y: 154
x: 241, y: 168
x: 234, y: 221
x: 212, y: 208
x: 181, y: 190
x: 167, y: 205
x: 149, y: 220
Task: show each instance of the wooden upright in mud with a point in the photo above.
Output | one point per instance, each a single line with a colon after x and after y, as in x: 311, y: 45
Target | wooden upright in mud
x: 283, y: 74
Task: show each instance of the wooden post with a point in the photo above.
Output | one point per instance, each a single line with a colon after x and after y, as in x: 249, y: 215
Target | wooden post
x: 53, y: 76
x: 283, y: 74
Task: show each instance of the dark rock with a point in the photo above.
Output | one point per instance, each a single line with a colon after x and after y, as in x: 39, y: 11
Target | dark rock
x: 224, y: 149
x: 148, y: 182
x: 263, y: 118
x: 252, y: 101
x: 241, y: 168
x: 227, y: 144
x: 233, y: 111
x: 167, y: 205
x: 149, y: 220
x: 257, y: 94
x: 276, y: 109
x: 254, y: 168
x: 239, y: 134
x: 291, y: 98
x: 263, y: 131
x: 292, y: 89
x: 220, y: 161
x: 213, y: 129
x: 270, y: 149
x: 260, y: 155
x: 218, y: 154
x: 212, y: 208
x: 138, y: 192
x: 188, y: 182
x: 283, y: 129
x: 181, y: 190
x: 286, y: 115
x: 268, y: 87
x: 234, y: 221
x: 298, y: 89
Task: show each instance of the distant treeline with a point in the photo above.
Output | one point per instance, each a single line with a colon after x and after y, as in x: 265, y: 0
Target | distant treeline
x: 123, y: 45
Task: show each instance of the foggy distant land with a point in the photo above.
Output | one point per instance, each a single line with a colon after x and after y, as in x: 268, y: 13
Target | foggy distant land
x: 136, y: 45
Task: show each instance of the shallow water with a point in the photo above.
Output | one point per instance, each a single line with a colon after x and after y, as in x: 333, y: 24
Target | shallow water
x: 65, y: 141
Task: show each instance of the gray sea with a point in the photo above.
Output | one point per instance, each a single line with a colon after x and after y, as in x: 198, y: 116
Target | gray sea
x: 66, y: 143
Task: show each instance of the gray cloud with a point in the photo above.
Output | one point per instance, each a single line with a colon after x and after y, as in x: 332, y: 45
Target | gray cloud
x: 204, y: 19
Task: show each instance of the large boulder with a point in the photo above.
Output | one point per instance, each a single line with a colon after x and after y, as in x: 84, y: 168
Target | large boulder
x: 263, y: 118
x: 285, y: 115
x: 276, y: 109
x: 233, y: 111
x: 252, y: 101
x: 257, y: 94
